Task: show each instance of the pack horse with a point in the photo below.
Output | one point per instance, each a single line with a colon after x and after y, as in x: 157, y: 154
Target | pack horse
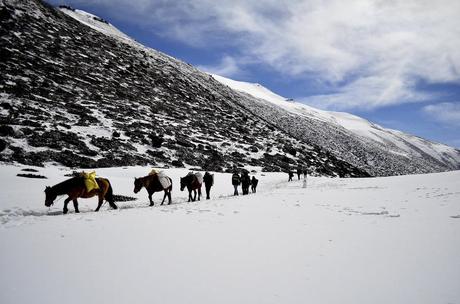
x: 81, y: 186
x: 154, y: 182
x: 193, y: 182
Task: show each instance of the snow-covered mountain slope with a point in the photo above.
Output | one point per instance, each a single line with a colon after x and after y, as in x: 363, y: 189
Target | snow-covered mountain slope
x: 387, y: 140
x: 390, y: 141
x: 76, y: 91
x: 339, y: 241
x: 79, y: 92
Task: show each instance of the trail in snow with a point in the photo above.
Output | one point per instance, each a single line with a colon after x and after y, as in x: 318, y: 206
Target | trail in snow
x: 30, y: 203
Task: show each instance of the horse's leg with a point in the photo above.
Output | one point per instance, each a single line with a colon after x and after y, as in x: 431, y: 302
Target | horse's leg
x: 150, y: 198
x: 67, y: 200
x: 189, y: 195
x: 113, y: 205
x: 169, y: 197
x: 194, y: 196
x: 75, y: 205
x: 99, y: 205
x: 164, y: 196
x: 199, y: 193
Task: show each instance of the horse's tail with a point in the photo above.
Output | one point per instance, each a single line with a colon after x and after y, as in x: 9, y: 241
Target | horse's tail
x: 170, y: 187
x: 109, y: 195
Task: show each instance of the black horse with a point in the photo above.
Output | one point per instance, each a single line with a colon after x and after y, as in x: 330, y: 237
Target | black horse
x: 208, y: 183
x: 193, y: 183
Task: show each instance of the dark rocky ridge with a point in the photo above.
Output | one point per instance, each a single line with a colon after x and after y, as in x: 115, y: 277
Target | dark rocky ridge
x: 72, y: 95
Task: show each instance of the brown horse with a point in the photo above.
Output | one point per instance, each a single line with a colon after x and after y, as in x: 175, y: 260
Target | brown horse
x: 152, y: 184
x: 193, y: 183
x: 75, y: 188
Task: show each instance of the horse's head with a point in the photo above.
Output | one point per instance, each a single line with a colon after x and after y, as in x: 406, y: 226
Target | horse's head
x: 183, y: 183
x: 137, y: 185
x: 50, y: 196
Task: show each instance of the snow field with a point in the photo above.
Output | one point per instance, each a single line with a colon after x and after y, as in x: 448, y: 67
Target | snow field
x: 376, y: 240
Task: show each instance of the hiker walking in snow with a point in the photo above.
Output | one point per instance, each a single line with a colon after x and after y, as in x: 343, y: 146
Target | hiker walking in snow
x: 291, y: 175
x: 254, y: 182
x: 208, y: 182
x: 245, y: 182
x: 236, y: 180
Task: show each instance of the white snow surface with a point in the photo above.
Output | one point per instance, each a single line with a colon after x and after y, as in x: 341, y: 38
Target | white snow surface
x: 355, y: 124
x: 93, y: 22
x: 375, y: 240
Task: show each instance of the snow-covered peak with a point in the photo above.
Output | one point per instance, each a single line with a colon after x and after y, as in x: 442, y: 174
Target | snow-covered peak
x: 95, y: 23
x: 393, y: 141
x: 348, y: 121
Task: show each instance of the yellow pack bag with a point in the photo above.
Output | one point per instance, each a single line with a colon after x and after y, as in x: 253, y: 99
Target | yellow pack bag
x: 90, y: 180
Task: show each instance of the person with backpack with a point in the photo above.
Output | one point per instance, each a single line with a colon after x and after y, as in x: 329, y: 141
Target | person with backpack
x: 245, y: 182
x: 299, y: 171
x: 236, y: 181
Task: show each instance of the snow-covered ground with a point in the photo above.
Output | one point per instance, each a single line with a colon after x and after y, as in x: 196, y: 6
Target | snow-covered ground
x: 376, y: 240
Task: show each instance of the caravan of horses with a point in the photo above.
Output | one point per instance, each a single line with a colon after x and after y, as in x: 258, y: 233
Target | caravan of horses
x: 87, y: 185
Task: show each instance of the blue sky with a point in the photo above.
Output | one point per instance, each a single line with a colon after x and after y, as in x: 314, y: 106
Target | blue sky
x: 396, y: 63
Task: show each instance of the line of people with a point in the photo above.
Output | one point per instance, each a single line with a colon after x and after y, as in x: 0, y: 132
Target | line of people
x: 300, y: 171
x: 245, y: 181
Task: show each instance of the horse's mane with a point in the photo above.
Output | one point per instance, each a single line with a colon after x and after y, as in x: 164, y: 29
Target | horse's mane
x: 62, y: 187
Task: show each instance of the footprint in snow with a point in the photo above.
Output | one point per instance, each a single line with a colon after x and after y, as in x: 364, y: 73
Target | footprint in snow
x: 455, y: 216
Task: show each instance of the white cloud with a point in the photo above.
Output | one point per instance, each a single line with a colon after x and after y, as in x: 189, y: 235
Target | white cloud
x: 228, y: 67
x: 445, y: 112
x: 371, y: 53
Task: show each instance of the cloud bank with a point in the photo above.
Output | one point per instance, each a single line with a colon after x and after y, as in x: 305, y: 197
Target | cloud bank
x: 369, y: 53
x: 446, y: 112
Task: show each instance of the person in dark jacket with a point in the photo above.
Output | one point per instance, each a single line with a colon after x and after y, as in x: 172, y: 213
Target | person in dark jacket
x: 299, y: 171
x: 245, y: 182
x: 291, y: 175
x: 208, y: 180
x: 254, y: 182
x: 236, y: 181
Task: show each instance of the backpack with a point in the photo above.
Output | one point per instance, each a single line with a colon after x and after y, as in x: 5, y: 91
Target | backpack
x: 236, y: 179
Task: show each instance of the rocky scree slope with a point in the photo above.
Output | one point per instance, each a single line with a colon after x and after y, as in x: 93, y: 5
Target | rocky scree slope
x: 72, y: 95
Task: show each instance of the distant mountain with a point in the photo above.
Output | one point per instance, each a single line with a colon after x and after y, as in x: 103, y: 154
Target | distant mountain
x: 364, y: 144
x: 77, y: 91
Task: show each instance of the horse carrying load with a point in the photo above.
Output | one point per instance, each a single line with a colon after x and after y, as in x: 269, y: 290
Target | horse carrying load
x: 193, y: 182
x: 155, y: 181
x: 84, y: 185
